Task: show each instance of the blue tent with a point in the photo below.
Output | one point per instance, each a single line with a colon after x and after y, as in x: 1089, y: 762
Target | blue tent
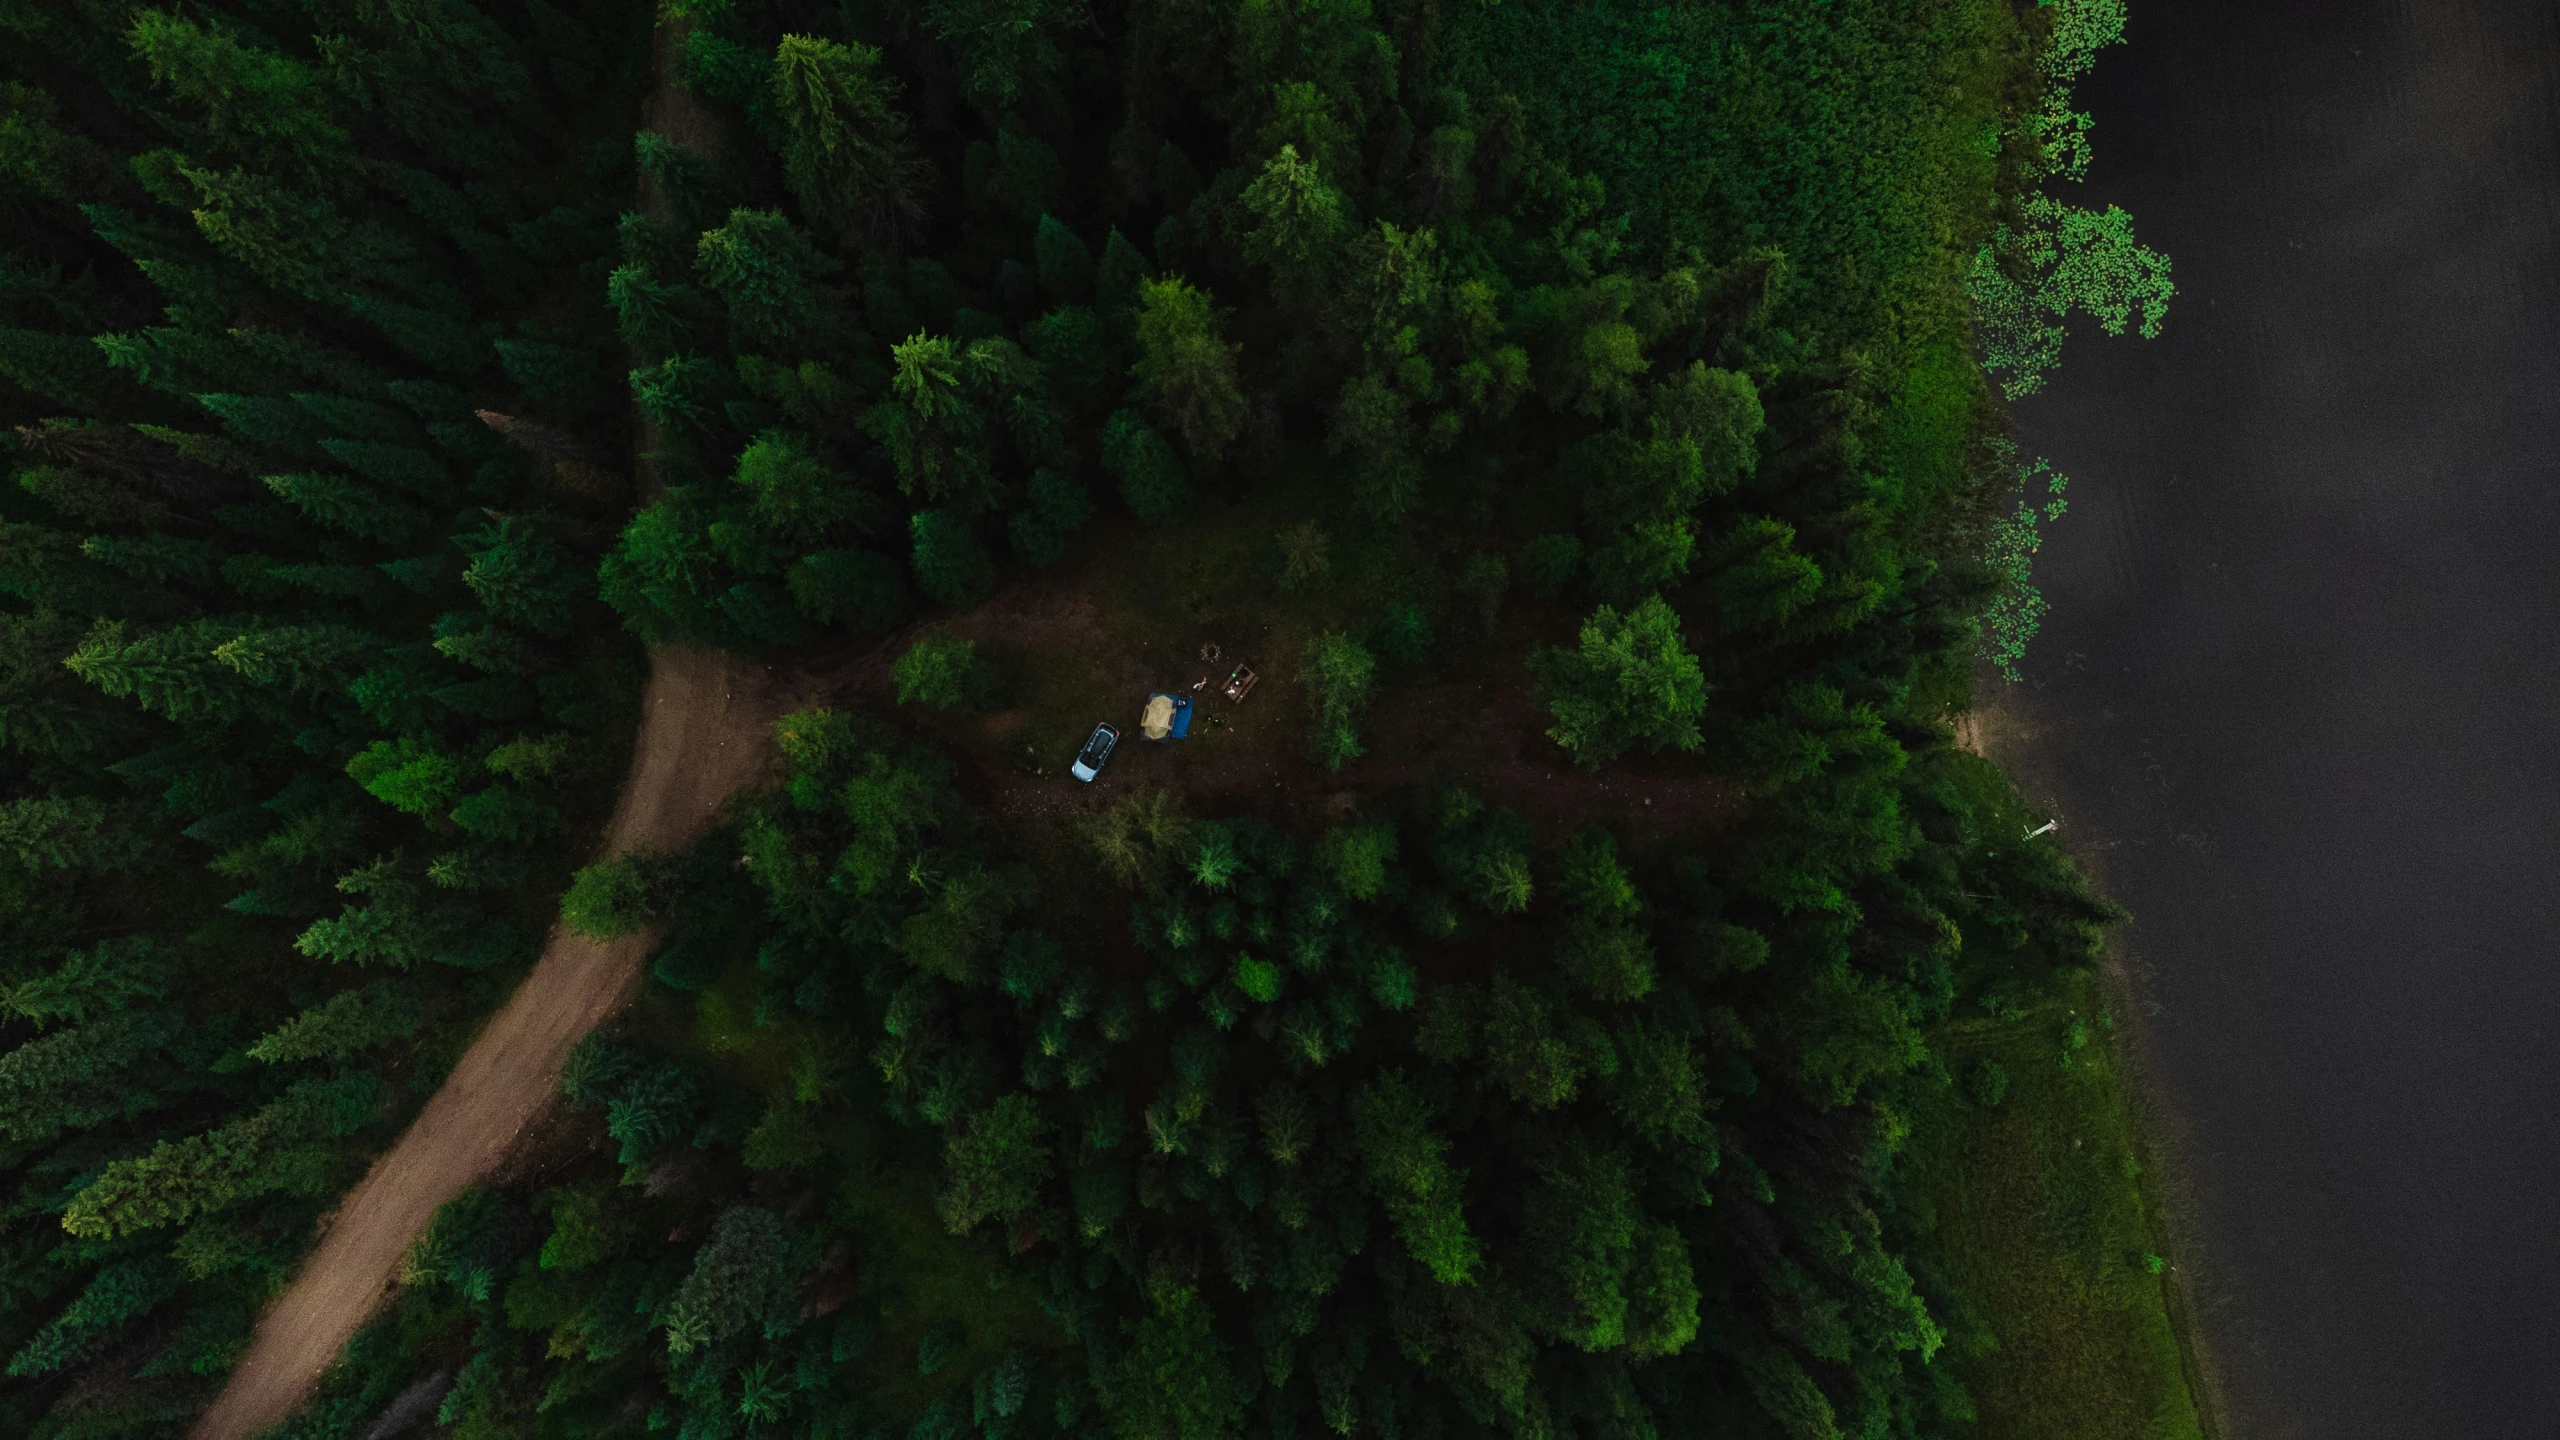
x: 1167, y: 717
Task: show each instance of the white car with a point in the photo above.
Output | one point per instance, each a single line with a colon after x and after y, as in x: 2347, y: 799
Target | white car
x: 1095, y: 754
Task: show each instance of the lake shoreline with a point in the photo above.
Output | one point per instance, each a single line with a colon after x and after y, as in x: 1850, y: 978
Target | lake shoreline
x: 2001, y: 726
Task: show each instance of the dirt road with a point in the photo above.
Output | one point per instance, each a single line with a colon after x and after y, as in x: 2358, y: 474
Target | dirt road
x: 705, y: 732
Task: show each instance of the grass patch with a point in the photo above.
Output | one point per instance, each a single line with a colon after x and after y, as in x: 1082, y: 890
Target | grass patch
x: 2041, y: 1223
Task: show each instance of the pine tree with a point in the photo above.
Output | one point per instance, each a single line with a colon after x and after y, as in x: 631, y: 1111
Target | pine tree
x: 302, y: 658
x: 1173, y: 1380
x: 348, y: 505
x: 681, y: 392
x: 67, y: 369
x: 862, y: 588
x: 696, y: 189
x: 179, y: 1180
x: 436, y: 337
x: 1186, y: 370
x: 1117, y: 278
x: 932, y: 423
x: 113, y: 1300
x: 1152, y: 478
x: 748, y: 1274
x: 1405, y: 1165
x: 845, y: 151
x: 765, y: 271
x: 345, y: 1024
x: 1058, y: 512
x: 561, y: 378
x: 97, y: 981
x: 272, y: 107
x: 169, y: 672
x: 1066, y: 264
x: 86, y: 1074
x: 1006, y: 49
x: 523, y: 575
x: 1763, y: 580
x: 655, y: 317
x: 1297, y: 229
x: 68, y: 832
x: 1580, y: 1222
x: 797, y: 496
x: 951, y: 565
x: 1339, y: 671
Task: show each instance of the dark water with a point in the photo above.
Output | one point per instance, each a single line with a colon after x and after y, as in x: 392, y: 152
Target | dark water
x: 2300, y: 691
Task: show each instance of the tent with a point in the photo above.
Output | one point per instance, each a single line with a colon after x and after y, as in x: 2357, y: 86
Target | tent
x: 1167, y: 717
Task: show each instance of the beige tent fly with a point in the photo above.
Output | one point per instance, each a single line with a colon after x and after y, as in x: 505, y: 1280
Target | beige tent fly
x: 1157, y: 721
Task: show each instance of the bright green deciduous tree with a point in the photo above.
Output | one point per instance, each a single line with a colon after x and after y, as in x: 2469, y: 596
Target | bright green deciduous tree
x: 615, y: 896
x: 993, y: 1164
x: 2027, y: 282
x: 1632, y: 679
x: 940, y: 671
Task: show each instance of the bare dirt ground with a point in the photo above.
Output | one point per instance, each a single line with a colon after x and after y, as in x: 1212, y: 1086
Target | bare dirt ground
x: 705, y: 733
x: 1483, y: 726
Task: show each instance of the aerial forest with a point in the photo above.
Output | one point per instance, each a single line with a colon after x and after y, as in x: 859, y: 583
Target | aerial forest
x: 1578, y: 991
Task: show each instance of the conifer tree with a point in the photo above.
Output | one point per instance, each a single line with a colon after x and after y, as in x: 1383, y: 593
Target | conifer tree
x: 950, y: 563
x: 765, y: 272
x: 845, y: 151
x: 1186, y: 370
x: 1066, y: 265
